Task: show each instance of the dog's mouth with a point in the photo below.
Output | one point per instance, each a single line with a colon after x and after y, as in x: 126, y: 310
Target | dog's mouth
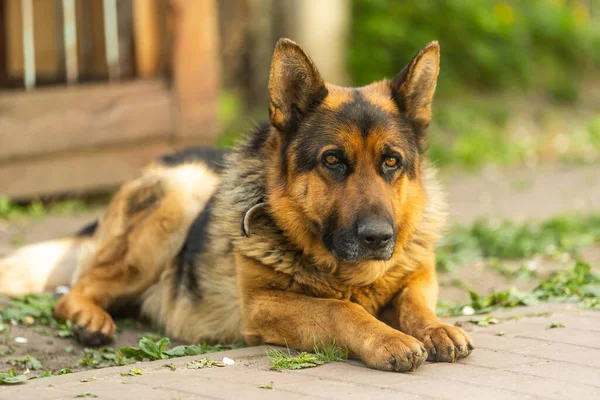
x: 347, y: 249
x: 350, y: 254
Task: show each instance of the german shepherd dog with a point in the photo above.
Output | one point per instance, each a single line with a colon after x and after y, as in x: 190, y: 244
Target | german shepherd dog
x: 320, y: 227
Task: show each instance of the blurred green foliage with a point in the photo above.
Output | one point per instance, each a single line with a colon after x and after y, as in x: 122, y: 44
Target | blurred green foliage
x: 512, y: 74
x: 507, y: 240
x: 542, y: 45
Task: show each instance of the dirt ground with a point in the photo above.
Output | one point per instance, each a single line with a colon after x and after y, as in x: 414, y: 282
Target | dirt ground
x: 524, y: 194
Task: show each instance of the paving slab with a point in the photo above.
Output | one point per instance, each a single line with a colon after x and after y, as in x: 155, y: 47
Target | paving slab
x: 527, y: 364
x: 553, y: 389
x: 566, y: 353
x: 567, y: 373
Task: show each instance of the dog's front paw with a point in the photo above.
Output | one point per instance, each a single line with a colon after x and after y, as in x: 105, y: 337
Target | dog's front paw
x: 92, y: 326
x: 398, y: 352
x: 446, y: 342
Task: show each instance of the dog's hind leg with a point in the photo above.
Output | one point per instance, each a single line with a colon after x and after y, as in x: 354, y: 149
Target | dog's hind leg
x: 141, y: 231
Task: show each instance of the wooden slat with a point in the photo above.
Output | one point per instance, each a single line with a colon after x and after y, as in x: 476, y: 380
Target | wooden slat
x: 85, y: 43
x: 196, y: 70
x: 60, y: 39
x: 61, y: 119
x: 69, y: 36
x: 28, y: 44
x: 45, y: 28
x: 147, y: 41
x: 125, y: 28
x: 111, y: 38
x: 77, y: 172
x: 90, y: 32
x: 3, y: 48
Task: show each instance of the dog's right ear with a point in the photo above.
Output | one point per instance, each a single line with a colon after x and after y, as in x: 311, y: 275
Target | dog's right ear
x: 294, y: 85
x: 413, y: 88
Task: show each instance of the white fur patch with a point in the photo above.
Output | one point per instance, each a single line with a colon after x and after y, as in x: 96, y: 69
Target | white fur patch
x: 39, y: 267
x: 195, y: 183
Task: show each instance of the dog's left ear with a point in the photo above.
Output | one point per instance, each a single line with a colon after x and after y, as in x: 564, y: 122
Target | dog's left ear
x: 294, y: 85
x: 414, y: 86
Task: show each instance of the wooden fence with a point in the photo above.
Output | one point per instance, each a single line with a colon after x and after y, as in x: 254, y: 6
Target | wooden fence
x: 91, y: 90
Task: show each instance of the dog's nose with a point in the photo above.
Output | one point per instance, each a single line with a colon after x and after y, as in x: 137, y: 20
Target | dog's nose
x: 374, y: 234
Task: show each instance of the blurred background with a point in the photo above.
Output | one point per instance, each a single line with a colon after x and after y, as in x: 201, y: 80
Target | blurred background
x: 91, y: 90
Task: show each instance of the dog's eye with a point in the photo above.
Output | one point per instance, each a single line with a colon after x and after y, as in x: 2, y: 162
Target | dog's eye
x: 331, y: 160
x: 335, y: 163
x: 391, y: 162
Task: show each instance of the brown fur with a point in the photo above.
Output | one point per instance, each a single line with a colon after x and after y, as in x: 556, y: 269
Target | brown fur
x: 280, y: 282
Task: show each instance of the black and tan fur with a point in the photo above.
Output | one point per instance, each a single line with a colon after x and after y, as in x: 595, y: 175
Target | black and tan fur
x: 340, y: 247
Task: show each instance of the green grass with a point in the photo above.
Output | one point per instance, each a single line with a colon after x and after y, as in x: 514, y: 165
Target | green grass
x: 10, y: 210
x: 171, y: 366
x: 507, y: 240
x: 280, y: 360
x: 103, y: 357
x: 578, y: 284
x: 85, y: 394
x: 522, y: 272
x: 36, y: 310
x: 496, y: 242
x: 26, y: 363
x: 133, y: 372
x: 203, y: 363
x: 48, y: 373
x: 554, y: 325
x: 38, y: 209
x: 472, y: 132
x: 148, y: 349
x: 11, y: 378
x: 266, y: 385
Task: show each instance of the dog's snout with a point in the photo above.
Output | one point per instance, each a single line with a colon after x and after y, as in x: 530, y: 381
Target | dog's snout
x: 375, y: 234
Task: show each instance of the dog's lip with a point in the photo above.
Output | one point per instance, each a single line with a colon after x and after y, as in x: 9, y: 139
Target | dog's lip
x: 360, y: 259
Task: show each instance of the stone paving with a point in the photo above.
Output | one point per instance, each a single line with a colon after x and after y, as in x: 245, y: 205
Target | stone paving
x: 518, y: 358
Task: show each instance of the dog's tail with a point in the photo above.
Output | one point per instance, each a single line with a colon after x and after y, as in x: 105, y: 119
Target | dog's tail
x: 45, y: 265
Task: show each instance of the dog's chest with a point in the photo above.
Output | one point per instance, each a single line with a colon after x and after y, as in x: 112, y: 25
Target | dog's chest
x: 371, y: 297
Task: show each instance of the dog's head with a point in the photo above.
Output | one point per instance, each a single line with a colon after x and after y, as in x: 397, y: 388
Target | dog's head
x: 345, y: 182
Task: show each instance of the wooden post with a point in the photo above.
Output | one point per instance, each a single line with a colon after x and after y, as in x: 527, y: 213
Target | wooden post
x: 196, y: 71
x: 262, y: 42
x: 322, y: 29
